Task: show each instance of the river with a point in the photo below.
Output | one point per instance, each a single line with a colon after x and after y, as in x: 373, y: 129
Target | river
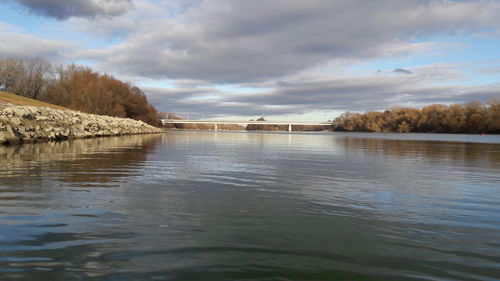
x: 190, y: 205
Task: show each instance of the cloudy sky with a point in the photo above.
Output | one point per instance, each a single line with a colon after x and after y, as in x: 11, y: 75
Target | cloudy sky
x: 284, y: 59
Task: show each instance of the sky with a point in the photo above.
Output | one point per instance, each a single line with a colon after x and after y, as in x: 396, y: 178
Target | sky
x: 282, y: 59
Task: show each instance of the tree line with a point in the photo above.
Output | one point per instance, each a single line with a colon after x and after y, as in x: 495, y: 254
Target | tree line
x: 473, y: 117
x: 75, y: 87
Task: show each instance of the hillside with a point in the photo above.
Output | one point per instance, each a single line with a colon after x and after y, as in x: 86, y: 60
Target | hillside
x: 18, y: 100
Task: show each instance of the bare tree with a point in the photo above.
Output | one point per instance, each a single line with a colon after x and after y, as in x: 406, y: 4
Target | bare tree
x: 11, y: 71
x: 34, y: 80
x: 27, y: 78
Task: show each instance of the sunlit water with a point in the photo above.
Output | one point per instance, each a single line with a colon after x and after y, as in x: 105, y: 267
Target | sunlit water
x: 252, y: 206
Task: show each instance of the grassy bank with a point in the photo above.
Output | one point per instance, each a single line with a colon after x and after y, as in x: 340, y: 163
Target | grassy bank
x: 18, y: 100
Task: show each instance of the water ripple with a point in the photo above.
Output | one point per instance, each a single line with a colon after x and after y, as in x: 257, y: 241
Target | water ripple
x: 235, y: 206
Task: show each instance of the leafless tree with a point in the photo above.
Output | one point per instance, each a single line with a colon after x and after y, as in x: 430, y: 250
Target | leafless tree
x: 27, y: 78
x: 10, y: 72
x: 35, y: 78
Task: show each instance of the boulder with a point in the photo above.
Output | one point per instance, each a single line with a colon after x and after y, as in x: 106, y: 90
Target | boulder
x: 15, y: 121
x: 8, y: 136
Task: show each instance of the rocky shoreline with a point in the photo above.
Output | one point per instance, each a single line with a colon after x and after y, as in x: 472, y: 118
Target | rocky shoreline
x: 20, y: 124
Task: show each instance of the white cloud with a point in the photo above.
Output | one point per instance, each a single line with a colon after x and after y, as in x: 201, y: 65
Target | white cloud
x: 18, y: 45
x: 241, y: 41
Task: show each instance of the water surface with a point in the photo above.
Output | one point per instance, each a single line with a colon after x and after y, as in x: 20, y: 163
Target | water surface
x: 252, y: 206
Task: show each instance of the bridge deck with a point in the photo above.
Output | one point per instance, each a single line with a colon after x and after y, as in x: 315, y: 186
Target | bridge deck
x: 204, y: 121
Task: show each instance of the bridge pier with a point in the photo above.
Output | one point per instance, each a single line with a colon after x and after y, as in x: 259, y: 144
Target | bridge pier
x: 216, y: 127
x: 289, y: 127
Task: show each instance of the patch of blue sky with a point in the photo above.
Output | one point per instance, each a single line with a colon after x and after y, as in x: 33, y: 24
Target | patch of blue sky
x: 52, y: 29
x: 83, y: 40
x: 466, y: 53
x: 202, y: 98
x: 480, y: 52
x: 165, y: 84
x: 222, y: 88
x: 18, y: 16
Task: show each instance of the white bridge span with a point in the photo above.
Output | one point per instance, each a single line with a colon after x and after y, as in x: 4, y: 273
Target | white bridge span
x: 245, y: 122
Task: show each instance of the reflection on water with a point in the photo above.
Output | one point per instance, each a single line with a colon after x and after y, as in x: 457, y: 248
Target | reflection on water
x: 251, y: 206
x: 445, y: 151
x: 82, y: 161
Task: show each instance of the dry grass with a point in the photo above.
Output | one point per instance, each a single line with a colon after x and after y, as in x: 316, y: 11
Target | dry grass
x: 18, y: 100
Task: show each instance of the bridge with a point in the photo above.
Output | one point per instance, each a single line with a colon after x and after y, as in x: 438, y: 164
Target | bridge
x: 244, y: 122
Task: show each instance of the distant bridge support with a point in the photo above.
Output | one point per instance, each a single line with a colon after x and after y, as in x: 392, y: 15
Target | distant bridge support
x: 289, y: 127
x: 216, y: 127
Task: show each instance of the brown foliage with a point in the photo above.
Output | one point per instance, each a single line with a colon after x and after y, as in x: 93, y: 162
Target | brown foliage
x: 473, y: 117
x: 77, y: 88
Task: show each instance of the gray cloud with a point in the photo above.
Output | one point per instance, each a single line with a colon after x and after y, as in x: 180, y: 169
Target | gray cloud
x: 242, y: 41
x: 207, y: 101
x: 63, y: 9
x: 308, y: 93
x: 374, y: 92
x: 402, y: 71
